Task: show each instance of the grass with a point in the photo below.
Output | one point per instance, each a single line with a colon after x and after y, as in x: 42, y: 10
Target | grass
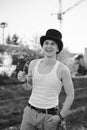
x: 13, y: 99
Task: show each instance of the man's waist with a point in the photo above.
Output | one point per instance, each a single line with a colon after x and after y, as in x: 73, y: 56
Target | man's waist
x: 53, y: 110
x: 43, y: 101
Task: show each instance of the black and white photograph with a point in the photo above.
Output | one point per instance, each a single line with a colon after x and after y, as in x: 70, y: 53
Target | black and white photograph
x: 43, y: 64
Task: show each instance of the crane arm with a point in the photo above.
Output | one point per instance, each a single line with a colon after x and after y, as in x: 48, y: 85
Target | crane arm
x: 76, y: 4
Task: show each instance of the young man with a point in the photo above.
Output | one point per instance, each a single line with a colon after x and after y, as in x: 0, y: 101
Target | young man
x: 46, y: 77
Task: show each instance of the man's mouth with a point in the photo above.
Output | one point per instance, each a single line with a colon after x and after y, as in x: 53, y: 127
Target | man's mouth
x: 49, y: 50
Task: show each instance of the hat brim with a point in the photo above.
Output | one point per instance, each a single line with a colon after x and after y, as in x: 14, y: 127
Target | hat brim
x: 58, y: 41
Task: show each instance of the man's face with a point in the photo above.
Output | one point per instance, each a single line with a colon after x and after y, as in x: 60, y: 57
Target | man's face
x: 50, y: 47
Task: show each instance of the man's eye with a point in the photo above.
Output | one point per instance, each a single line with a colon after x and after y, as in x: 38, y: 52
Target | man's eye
x: 46, y: 43
x: 52, y: 43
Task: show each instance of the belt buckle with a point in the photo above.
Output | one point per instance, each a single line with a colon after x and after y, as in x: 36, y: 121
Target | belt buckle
x: 43, y: 110
x: 46, y: 111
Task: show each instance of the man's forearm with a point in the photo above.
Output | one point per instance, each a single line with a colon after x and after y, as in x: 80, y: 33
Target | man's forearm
x: 67, y: 104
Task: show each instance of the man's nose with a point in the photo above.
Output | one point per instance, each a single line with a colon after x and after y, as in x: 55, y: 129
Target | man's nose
x: 49, y: 45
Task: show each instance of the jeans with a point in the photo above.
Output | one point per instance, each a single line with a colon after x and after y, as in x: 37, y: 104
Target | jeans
x: 33, y: 120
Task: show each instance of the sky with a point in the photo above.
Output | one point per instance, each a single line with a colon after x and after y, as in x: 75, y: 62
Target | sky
x: 28, y: 18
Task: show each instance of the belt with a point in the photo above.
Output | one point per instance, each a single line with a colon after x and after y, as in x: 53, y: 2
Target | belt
x: 52, y: 111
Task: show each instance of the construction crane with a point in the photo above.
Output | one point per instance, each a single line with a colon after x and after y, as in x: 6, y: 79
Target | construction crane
x: 60, y: 14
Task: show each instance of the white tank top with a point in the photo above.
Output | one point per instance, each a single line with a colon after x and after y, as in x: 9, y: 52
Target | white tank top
x: 46, y: 88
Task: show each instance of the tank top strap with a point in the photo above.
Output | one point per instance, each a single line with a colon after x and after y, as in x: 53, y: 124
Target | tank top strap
x: 56, y: 65
x: 36, y: 65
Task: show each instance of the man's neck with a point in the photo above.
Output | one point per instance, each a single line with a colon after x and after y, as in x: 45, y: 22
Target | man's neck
x: 49, y: 61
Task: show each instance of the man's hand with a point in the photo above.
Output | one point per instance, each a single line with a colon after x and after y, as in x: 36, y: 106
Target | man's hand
x: 54, y: 118
x: 21, y: 76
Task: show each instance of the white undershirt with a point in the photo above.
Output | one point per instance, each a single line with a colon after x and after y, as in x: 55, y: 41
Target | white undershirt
x: 46, y: 88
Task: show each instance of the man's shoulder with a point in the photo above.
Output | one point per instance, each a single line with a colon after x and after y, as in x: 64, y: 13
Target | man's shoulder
x: 33, y: 62
x: 63, y: 68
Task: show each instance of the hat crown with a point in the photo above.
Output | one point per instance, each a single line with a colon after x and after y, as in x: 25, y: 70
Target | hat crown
x: 54, y: 33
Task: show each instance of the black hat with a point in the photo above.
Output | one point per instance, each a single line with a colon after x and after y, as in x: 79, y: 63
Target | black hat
x: 54, y: 35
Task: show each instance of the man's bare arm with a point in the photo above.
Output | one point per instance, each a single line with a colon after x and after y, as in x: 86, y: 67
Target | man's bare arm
x: 27, y: 78
x: 69, y: 90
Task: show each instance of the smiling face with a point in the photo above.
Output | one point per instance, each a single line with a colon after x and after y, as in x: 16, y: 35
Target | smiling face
x: 50, y: 48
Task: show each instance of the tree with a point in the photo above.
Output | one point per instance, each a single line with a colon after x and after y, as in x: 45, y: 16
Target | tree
x: 35, y: 42
x: 8, y: 40
x: 14, y: 40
